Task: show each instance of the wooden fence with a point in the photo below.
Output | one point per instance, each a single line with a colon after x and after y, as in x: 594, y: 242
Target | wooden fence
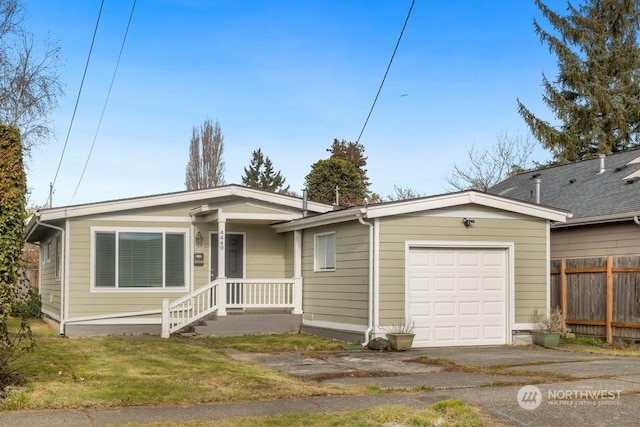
x: 598, y: 296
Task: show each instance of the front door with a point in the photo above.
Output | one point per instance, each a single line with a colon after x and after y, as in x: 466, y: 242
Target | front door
x: 234, y: 256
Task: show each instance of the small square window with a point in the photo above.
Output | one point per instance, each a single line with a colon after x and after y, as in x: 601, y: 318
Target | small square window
x: 325, y: 252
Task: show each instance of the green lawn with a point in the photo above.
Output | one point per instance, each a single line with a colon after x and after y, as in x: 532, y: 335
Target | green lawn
x: 145, y: 370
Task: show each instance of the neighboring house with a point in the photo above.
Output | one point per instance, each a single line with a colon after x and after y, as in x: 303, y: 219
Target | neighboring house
x: 603, y: 196
x: 468, y: 268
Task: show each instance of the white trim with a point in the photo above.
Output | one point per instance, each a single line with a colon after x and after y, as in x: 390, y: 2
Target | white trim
x: 509, y: 247
x: 548, y: 267
x: 160, y: 290
x: 456, y: 212
x: 259, y: 216
x: 315, y: 252
x: 320, y: 220
x: 463, y: 198
x: 50, y: 314
x: 335, y: 326
x: 111, y: 316
x: 143, y: 218
x: 523, y: 326
x: 602, y: 219
x: 115, y: 321
x: 376, y: 271
x: 66, y: 291
x: 426, y: 204
x: 193, y: 196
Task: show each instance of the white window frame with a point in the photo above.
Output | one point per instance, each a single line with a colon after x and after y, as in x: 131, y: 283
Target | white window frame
x: 316, y: 264
x: 49, y: 249
x: 164, y: 231
x: 58, y: 256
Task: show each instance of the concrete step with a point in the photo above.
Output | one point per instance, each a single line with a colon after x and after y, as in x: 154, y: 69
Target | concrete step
x: 250, y: 324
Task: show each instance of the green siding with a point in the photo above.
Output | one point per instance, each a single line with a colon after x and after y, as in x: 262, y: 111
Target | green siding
x: 50, y: 286
x: 264, y: 258
x: 339, y: 296
x: 83, y: 302
x: 527, y: 234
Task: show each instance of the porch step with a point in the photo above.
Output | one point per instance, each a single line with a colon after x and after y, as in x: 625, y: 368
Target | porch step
x: 250, y: 324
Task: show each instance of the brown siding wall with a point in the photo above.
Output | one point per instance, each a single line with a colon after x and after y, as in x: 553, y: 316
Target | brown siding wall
x: 596, y: 240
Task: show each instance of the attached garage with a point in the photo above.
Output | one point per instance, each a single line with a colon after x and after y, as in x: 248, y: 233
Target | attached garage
x: 458, y: 296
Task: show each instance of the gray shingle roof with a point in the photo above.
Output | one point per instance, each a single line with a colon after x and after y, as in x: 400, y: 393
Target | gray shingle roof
x: 580, y: 188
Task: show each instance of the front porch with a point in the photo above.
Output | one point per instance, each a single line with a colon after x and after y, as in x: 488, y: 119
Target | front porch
x: 222, y: 296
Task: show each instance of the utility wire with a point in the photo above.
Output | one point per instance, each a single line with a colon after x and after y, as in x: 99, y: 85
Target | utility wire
x: 75, y: 108
x: 106, y: 101
x: 386, y: 72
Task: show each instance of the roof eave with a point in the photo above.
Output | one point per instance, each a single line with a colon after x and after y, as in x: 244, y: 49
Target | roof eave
x: 602, y: 219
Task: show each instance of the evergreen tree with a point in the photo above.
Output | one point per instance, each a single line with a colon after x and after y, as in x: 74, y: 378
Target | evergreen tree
x: 261, y: 174
x: 12, y: 215
x: 328, y: 174
x: 595, y: 95
x: 353, y: 153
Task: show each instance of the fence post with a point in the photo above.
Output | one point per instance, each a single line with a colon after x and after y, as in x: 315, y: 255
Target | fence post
x: 609, y: 309
x: 165, y: 318
x: 563, y: 294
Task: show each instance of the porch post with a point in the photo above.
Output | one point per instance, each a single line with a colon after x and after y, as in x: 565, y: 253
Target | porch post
x: 222, y: 273
x: 297, y: 272
x: 165, y: 319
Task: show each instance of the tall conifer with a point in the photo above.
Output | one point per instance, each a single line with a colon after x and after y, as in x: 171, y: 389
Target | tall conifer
x: 595, y: 96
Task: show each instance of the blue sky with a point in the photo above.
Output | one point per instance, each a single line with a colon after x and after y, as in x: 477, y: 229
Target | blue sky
x: 286, y: 77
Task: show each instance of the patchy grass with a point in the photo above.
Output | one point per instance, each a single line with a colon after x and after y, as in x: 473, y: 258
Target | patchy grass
x: 446, y: 413
x: 145, y: 370
x: 597, y: 346
x: 275, y: 343
x: 506, y: 370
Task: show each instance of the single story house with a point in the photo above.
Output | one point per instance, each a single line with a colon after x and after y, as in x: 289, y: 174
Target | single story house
x: 468, y: 268
x: 603, y: 195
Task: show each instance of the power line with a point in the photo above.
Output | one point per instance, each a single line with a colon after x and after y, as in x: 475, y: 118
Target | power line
x: 387, y: 71
x: 75, y: 108
x: 106, y: 101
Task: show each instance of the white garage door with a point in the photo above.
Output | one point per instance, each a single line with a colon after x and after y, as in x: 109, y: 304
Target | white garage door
x: 458, y: 296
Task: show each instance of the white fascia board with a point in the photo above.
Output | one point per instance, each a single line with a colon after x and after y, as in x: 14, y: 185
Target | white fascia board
x: 602, y: 219
x: 176, y: 198
x: 317, y: 221
x: 462, y: 198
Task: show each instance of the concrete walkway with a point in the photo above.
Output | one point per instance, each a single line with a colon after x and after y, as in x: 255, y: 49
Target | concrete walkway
x: 575, y: 389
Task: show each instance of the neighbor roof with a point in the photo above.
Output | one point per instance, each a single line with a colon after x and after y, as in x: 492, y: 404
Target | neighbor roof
x: 591, y: 194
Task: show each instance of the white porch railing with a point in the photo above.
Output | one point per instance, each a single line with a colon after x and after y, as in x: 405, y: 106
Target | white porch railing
x: 248, y: 293
x: 227, y: 293
x: 190, y: 308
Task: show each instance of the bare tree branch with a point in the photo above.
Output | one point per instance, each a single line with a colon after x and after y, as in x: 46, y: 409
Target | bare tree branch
x: 205, y: 168
x: 29, y: 78
x: 486, y: 167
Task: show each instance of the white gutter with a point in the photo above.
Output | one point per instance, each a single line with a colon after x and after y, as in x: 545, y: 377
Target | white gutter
x: 63, y: 274
x: 636, y: 220
x: 367, y: 333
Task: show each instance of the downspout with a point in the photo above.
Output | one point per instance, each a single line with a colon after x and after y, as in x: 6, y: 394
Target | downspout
x: 63, y: 275
x: 636, y: 220
x: 367, y: 333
